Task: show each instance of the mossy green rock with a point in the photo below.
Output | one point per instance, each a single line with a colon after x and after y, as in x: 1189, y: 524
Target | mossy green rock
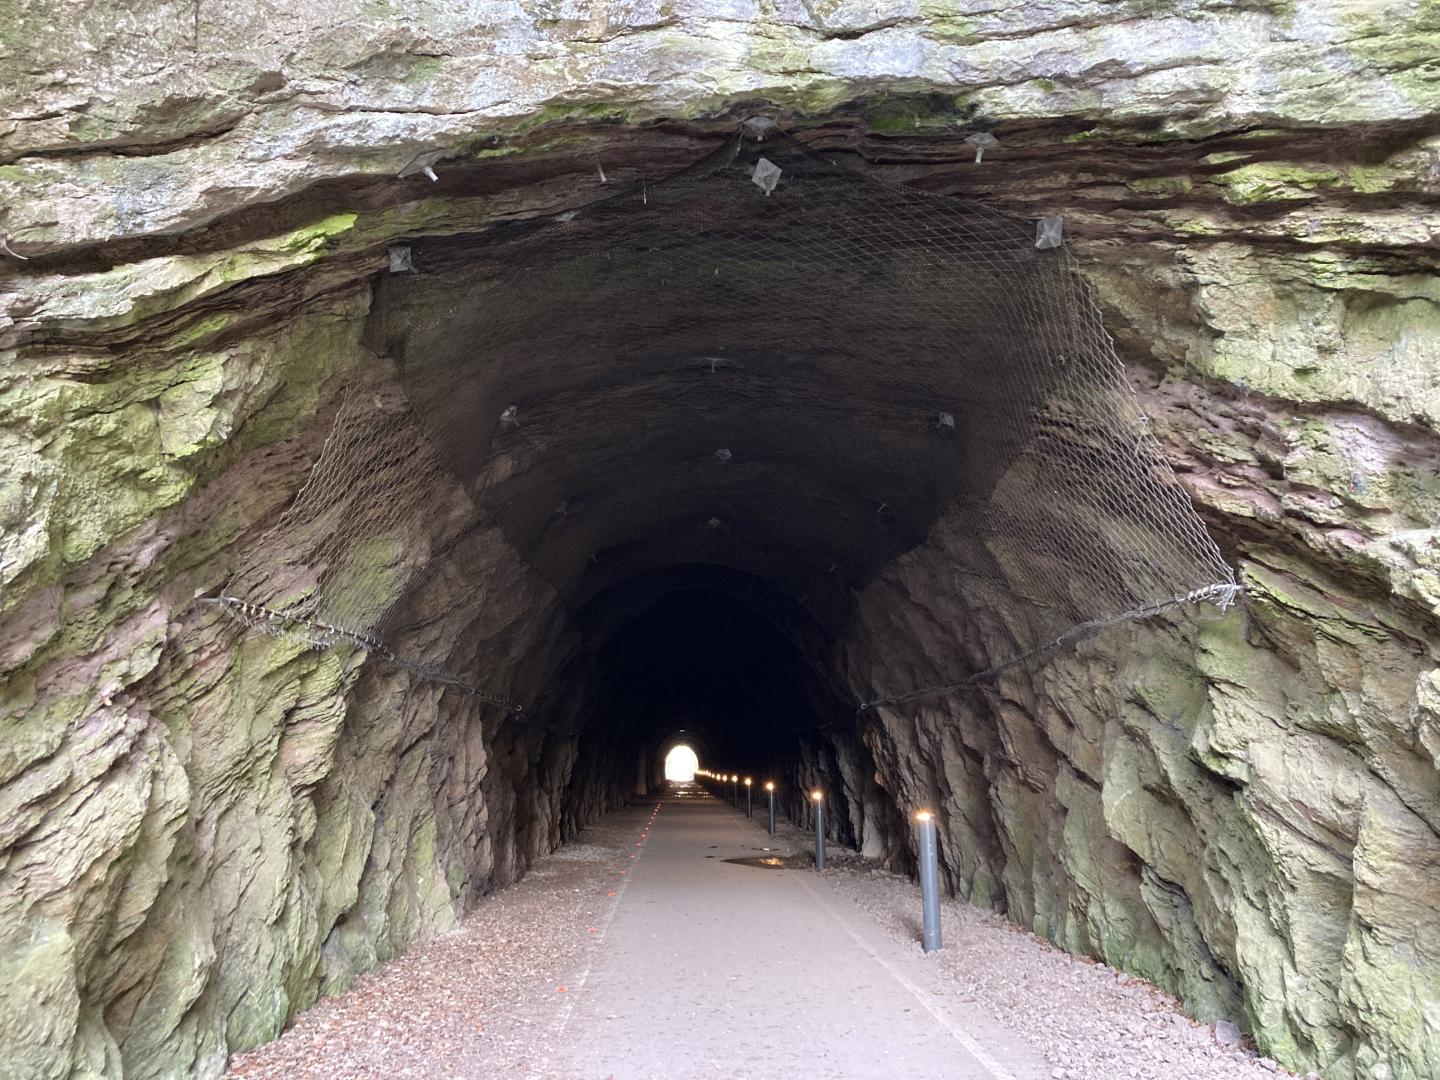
x: 203, y: 829
x: 1242, y: 808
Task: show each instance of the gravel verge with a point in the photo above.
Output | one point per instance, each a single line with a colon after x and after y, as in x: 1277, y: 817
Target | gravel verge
x: 483, y: 1000
x: 1091, y: 1021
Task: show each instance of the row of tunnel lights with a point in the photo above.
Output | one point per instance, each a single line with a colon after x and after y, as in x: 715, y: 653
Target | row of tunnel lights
x: 817, y: 795
x: 930, y: 936
x: 734, y: 778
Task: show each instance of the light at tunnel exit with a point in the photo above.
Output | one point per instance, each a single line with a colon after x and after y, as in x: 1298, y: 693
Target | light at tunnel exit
x: 681, y: 763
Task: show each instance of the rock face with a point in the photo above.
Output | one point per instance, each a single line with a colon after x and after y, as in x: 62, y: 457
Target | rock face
x: 202, y: 828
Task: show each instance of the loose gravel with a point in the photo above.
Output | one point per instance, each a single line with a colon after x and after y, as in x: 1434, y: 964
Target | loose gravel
x: 482, y: 1001
x: 1090, y: 1021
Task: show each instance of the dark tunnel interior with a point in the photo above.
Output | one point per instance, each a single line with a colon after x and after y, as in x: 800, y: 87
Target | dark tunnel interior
x: 722, y: 655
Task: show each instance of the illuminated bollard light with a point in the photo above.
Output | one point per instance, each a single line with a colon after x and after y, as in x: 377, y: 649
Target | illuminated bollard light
x: 929, y: 882
x: 748, y: 800
x: 819, y: 799
x: 770, y: 790
x: 735, y: 790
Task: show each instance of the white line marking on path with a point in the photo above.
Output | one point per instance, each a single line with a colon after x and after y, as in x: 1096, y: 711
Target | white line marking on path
x: 959, y: 1034
x: 963, y: 1037
x: 594, y: 947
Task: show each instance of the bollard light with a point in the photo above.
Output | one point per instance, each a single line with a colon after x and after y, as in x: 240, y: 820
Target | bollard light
x: 748, y: 803
x: 770, y: 791
x: 929, y: 883
x: 819, y: 799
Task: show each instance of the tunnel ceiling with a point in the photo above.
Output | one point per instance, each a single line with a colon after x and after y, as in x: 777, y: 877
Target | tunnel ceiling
x: 691, y: 369
x: 766, y: 362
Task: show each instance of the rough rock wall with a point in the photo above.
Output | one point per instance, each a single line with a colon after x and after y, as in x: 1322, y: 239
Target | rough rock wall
x: 198, y: 831
x: 204, y: 829
x: 159, y: 120
x: 1242, y: 808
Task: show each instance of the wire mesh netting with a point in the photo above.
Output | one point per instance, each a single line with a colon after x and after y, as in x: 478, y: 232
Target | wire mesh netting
x: 834, y: 360
x: 359, y: 534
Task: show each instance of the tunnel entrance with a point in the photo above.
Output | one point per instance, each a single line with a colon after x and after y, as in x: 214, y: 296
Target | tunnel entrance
x: 681, y: 764
x: 420, y: 423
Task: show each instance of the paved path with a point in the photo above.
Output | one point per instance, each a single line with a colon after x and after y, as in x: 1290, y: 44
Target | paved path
x: 712, y: 969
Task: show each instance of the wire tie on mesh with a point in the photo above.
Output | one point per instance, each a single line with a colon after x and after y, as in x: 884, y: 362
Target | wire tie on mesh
x: 758, y: 126
x: 401, y: 259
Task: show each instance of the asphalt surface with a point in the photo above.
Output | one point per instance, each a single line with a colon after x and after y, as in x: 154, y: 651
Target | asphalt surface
x: 713, y: 968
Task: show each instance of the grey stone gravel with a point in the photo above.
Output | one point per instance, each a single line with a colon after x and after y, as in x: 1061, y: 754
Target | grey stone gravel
x: 1090, y: 1020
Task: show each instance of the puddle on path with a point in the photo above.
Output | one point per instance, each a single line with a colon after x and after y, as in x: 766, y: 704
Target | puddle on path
x: 765, y: 862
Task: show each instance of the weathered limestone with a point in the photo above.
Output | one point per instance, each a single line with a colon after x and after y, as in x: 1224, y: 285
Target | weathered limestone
x: 119, y: 131
x: 202, y: 830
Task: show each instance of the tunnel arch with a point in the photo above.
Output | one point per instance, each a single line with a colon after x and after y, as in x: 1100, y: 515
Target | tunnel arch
x: 778, y: 393
x: 724, y: 345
